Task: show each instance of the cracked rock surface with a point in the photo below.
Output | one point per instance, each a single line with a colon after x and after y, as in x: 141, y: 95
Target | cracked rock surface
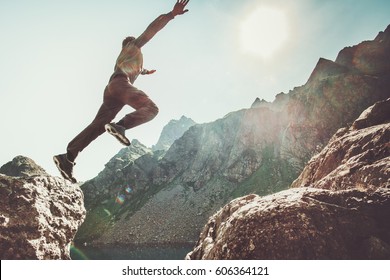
x: 39, y: 214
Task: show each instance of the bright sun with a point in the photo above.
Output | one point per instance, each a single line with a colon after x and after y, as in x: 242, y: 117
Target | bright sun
x: 264, y: 32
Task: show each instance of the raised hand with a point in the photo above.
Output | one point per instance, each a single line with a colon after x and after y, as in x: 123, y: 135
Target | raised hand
x: 178, y: 9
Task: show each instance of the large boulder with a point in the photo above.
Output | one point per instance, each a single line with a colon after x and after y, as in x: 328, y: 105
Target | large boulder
x: 39, y: 214
x: 303, y: 223
x: 358, y: 157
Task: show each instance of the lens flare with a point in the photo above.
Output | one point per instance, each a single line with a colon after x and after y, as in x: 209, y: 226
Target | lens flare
x: 77, y: 253
x: 128, y: 189
x: 120, y: 199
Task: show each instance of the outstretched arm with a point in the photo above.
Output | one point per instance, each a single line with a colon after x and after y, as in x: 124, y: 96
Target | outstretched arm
x: 160, y: 22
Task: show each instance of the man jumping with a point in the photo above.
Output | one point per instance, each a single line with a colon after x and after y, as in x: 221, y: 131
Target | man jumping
x: 119, y: 92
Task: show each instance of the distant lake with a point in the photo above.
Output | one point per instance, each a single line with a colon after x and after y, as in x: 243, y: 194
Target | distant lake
x: 139, y: 252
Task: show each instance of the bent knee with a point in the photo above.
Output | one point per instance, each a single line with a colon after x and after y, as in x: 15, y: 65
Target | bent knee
x: 152, y: 110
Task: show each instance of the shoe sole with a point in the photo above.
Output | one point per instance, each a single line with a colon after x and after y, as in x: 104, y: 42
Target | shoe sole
x: 63, y: 173
x: 122, y: 139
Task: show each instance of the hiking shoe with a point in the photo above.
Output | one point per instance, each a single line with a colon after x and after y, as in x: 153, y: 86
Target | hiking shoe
x: 118, y: 132
x: 65, y: 167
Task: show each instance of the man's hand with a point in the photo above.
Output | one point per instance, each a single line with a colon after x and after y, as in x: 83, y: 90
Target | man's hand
x: 178, y: 9
x: 147, y: 72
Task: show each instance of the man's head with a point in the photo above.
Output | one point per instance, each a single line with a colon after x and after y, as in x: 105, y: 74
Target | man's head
x: 127, y: 40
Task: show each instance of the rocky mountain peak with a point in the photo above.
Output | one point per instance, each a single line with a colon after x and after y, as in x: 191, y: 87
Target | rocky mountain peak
x: 260, y: 103
x: 173, y: 131
x: 383, y: 36
x: 369, y: 57
x: 326, y: 68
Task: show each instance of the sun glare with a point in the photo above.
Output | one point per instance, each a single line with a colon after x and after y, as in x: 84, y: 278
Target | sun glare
x: 263, y: 32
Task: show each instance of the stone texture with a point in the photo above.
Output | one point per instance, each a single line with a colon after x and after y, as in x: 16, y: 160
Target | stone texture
x: 355, y: 157
x: 39, y: 214
x: 22, y: 166
x: 303, y: 223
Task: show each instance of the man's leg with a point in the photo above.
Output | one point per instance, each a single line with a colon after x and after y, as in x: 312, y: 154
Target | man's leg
x: 107, y: 112
x: 145, y: 109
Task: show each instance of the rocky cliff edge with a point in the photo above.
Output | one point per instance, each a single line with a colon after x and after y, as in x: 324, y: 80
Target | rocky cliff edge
x: 39, y: 214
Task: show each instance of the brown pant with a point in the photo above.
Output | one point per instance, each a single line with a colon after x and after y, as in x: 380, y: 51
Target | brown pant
x: 119, y: 92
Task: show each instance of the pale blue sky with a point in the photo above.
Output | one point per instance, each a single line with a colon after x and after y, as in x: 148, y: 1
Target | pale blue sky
x: 56, y: 58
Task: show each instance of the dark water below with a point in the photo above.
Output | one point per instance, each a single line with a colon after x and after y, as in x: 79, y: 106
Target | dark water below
x: 139, y: 252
